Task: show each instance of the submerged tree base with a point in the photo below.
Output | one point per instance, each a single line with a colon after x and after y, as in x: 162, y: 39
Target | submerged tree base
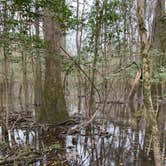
x: 53, y: 108
x: 52, y: 115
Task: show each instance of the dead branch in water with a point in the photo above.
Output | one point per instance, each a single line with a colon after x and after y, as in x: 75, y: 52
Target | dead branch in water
x: 83, y: 124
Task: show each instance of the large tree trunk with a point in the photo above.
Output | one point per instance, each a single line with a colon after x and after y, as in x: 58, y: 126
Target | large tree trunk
x: 146, y: 82
x: 53, y: 108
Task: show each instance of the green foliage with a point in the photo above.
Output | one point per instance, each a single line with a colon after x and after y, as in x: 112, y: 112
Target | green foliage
x: 158, y: 66
x: 57, y: 146
x: 110, y: 11
x: 22, y: 2
x: 68, y: 65
x: 159, y: 74
x: 18, y: 21
x: 60, y: 10
x: 108, y: 15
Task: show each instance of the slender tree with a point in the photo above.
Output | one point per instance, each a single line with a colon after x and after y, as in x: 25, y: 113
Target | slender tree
x: 146, y: 82
x: 158, y: 43
x: 6, y: 63
x: 94, y: 63
x: 158, y: 27
x: 38, y: 75
x: 78, y: 44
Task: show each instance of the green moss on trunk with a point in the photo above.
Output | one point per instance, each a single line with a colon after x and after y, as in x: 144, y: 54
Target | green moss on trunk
x: 53, y: 109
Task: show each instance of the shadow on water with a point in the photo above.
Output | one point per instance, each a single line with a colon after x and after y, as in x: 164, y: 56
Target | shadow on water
x: 114, y: 139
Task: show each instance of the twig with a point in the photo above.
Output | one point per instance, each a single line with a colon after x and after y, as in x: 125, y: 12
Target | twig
x: 79, y: 67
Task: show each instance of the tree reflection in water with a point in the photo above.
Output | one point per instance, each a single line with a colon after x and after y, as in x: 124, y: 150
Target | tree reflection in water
x: 116, y: 138
x: 119, y: 141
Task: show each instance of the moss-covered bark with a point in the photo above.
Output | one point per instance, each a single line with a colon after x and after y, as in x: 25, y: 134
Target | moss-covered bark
x: 53, y: 108
x: 147, y: 84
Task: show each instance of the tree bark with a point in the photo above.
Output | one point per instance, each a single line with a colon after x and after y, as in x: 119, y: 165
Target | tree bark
x: 158, y: 28
x: 146, y: 82
x: 38, y: 75
x: 53, y: 108
x: 78, y: 54
x: 96, y: 45
x: 158, y: 42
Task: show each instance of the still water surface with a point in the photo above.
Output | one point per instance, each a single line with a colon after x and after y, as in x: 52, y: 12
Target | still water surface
x: 117, y: 138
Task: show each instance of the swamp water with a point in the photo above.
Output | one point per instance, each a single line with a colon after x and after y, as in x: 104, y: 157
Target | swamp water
x: 117, y: 138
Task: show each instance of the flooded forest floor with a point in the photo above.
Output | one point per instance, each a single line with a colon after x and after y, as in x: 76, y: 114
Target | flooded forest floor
x: 115, y: 138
